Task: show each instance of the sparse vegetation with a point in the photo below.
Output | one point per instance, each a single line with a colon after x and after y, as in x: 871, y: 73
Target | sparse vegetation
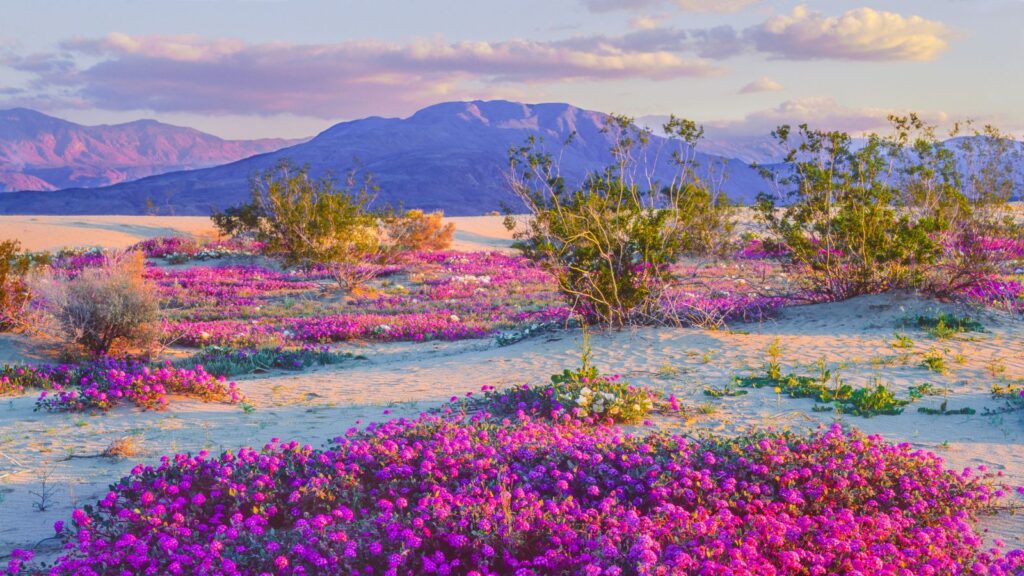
x: 610, y: 243
x: 108, y: 309
x: 14, y: 285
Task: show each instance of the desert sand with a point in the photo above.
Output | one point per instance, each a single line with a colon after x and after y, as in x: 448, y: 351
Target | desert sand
x: 408, y: 378
x: 118, y: 232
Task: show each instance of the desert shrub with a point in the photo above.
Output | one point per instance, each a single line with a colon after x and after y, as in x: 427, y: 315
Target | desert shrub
x: 844, y: 227
x: 416, y: 230
x: 903, y: 211
x: 102, y: 308
x: 610, y: 242
x: 308, y: 221
x: 958, y: 191
x: 14, y: 287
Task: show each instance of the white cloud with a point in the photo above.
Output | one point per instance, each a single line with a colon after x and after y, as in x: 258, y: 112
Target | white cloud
x: 762, y: 84
x: 860, y: 34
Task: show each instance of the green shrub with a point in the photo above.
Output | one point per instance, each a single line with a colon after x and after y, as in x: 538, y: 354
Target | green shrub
x: 903, y: 211
x: 610, y: 242
x: 308, y: 221
x: 844, y: 227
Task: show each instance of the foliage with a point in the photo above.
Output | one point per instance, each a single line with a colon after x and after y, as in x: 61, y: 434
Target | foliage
x: 610, y: 242
x: 843, y: 226
x: 415, y: 230
x: 14, y: 286
x: 825, y: 387
x: 935, y: 360
x: 233, y: 362
x: 112, y: 305
x: 945, y: 325
x: 308, y: 221
x: 903, y: 211
x: 581, y: 393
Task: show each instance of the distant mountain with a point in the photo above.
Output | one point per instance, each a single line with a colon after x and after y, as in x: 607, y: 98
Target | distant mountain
x: 450, y: 156
x: 40, y: 152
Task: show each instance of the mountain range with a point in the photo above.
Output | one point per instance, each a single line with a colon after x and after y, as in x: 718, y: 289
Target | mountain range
x: 41, y: 152
x: 451, y: 156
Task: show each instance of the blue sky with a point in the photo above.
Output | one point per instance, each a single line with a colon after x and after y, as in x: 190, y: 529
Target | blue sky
x: 254, y: 68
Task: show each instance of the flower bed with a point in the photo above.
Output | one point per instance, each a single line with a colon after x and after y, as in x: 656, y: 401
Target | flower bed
x: 105, y: 383
x: 476, y: 497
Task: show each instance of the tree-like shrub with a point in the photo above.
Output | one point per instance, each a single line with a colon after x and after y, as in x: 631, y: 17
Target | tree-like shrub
x: 844, y: 225
x: 105, y: 309
x: 610, y: 241
x: 902, y: 211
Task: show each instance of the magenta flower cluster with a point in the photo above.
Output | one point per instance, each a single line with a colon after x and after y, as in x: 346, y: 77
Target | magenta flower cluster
x: 179, y: 247
x: 478, y: 497
x: 107, y: 382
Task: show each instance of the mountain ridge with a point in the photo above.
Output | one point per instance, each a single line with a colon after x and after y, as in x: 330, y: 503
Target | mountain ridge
x: 42, y: 152
x: 450, y: 156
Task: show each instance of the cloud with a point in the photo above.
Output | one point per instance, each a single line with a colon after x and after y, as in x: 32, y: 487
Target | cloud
x: 818, y: 112
x: 860, y: 34
x: 644, y: 22
x: 762, y: 84
x: 188, y: 73
x: 685, y: 5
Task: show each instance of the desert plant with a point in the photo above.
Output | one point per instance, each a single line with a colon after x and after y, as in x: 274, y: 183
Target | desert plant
x: 610, y: 242
x: 14, y: 286
x: 416, y: 230
x: 103, y: 307
x: 844, y: 227
x: 308, y: 221
x: 935, y: 361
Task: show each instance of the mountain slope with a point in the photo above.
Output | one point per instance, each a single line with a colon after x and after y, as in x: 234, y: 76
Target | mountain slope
x: 450, y: 156
x: 40, y: 152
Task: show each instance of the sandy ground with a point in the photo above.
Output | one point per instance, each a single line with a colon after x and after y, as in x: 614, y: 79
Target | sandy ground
x: 54, y: 232
x: 409, y: 378
x: 47, y: 458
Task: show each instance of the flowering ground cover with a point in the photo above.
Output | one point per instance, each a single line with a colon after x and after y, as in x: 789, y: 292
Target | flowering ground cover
x: 475, y: 495
x: 104, y: 383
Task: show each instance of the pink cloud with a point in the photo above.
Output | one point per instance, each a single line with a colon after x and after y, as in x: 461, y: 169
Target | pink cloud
x: 187, y: 73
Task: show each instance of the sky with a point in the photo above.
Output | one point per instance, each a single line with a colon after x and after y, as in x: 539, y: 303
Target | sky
x: 291, y: 68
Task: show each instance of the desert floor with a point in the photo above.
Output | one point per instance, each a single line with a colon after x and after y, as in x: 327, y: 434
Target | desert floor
x: 55, y: 232
x: 406, y: 378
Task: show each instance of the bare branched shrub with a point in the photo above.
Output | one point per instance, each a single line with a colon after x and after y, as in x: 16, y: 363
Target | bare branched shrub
x: 103, y: 310
x: 611, y: 241
x: 125, y: 447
